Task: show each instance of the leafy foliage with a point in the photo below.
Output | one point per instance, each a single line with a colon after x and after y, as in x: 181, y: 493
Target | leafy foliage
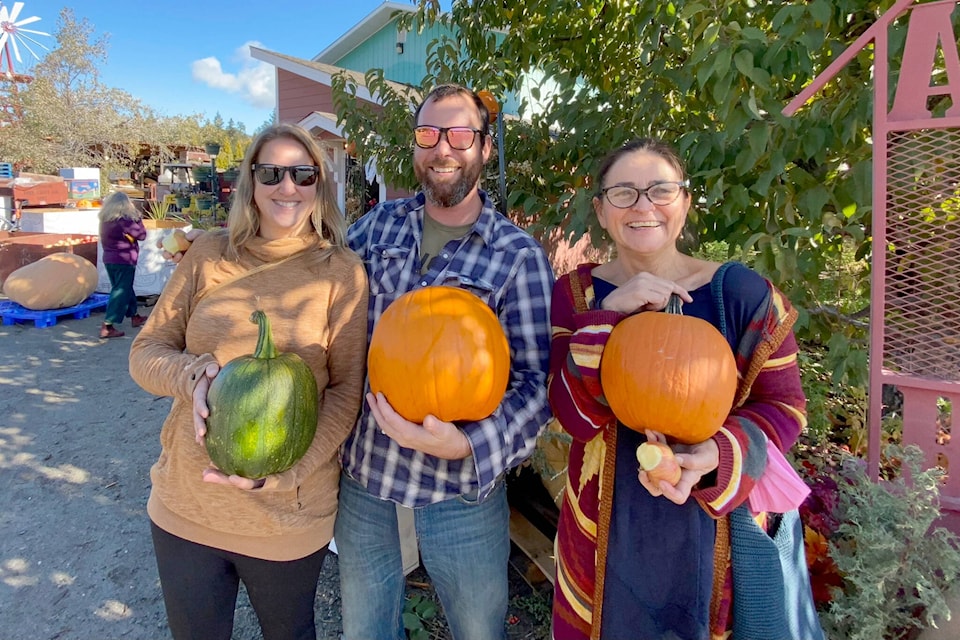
x: 157, y: 210
x: 67, y: 117
x: 879, y: 564
x: 537, y: 607
x: 418, y: 611
x: 711, y: 76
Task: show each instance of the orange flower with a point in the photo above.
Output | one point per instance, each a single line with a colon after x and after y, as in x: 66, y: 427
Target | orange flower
x: 824, y: 576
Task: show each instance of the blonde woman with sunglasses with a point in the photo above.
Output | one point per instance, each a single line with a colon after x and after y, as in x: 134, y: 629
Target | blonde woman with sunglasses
x: 283, y: 252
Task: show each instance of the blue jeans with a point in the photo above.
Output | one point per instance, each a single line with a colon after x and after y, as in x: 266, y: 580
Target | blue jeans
x: 464, y: 545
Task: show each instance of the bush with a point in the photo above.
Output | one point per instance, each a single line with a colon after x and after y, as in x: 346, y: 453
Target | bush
x: 879, y: 566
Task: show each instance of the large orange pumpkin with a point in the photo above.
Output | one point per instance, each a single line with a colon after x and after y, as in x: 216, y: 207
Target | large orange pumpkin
x: 439, y: 351
x: 671, y: 373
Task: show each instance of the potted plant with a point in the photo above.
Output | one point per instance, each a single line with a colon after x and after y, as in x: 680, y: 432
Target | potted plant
x: 182, y: 198
x: 158, y: 215
x: 202, y: 172
x: 156, y: 210
x: 205, y: 201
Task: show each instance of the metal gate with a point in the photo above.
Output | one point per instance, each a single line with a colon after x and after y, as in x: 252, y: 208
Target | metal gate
x: 915, y: 292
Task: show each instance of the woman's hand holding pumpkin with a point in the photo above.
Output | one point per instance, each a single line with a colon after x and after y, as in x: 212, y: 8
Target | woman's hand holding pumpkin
x: 695, y: 462
x: 215, y: 476
x: 643, y: 292
x: 192, y: 235
x: 434, y: 437
x: 200, y: 410
x: 200, y: 414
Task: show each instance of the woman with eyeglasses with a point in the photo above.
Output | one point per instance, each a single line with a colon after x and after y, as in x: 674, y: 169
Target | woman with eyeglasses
x: 284, y: 253
x: 637, y: 558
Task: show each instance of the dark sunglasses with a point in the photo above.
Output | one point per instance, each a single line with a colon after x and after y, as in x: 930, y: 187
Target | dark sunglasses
x: 303, y: 175
x: 459, y: 138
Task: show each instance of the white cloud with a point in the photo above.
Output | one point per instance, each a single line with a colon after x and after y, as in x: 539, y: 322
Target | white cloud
x: 254, y: 83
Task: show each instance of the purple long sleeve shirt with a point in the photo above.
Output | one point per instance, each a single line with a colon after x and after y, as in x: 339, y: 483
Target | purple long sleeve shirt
x: 117, y: 247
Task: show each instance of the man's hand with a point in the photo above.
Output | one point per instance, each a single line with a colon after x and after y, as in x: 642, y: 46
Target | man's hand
x: 434, y: 437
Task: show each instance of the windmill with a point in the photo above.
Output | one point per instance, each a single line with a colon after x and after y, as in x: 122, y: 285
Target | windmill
x: 13, y: 35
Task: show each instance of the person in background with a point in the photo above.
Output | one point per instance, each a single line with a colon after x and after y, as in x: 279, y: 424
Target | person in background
x: 451, y: 475
x: 283, y: 252
x: 657, y: 577
x: 121, y: 229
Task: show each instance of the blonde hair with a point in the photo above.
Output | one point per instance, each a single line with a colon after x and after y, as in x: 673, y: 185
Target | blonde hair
x: 118, y: 205
x: 243, y: 221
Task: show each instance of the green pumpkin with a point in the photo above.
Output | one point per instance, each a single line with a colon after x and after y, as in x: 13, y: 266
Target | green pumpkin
x: 263, y: 410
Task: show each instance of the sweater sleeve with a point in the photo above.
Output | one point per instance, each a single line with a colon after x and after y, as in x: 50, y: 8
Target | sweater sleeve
x: 158, y: 362
x: 346, y: 364
x: 771, y: 406
x: 576, y: 396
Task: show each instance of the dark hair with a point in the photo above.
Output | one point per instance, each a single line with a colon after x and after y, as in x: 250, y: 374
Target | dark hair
x: 650, y: 145
x: 450, y: 89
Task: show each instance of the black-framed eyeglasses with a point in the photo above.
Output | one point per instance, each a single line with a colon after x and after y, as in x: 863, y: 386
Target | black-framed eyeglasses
x: 303, y: 175
x: 459, y: 138
x: 662, y: 193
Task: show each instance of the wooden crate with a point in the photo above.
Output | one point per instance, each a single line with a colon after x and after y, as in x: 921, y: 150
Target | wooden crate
x: 19, y: 249
x: 533, y: 524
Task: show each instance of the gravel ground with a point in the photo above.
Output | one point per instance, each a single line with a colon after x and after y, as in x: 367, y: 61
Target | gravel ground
x: 77, y: 439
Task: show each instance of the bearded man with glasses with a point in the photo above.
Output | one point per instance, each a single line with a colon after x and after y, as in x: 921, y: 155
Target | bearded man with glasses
x: 451, y: 475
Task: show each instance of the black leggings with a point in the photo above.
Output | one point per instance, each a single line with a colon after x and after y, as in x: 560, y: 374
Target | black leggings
x: 200, y: 586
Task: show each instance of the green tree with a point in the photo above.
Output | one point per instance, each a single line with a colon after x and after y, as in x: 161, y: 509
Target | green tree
x: 70, y: 118
x: 791, y: 195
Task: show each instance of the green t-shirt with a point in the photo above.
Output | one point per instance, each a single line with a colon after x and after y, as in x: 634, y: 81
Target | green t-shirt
x: 435, y: 238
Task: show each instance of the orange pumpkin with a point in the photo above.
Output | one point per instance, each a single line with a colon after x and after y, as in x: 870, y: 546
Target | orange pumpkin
x: 439, y: 351
x: 493, y: 107
x: 671, y: 373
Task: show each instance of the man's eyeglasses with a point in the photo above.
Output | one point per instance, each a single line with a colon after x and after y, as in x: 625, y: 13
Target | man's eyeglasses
x: 460, y: 138
x: 303, y: 175
x: 663, y: 193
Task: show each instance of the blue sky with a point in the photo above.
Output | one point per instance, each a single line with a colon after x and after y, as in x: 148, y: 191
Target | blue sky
x: 192, y: 57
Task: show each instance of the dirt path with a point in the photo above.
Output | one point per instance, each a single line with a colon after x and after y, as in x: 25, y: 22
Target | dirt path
x: 77, y: 439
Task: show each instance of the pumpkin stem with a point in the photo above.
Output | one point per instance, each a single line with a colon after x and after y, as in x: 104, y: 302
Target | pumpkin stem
x: 675, y: 305
x: 265, y: 347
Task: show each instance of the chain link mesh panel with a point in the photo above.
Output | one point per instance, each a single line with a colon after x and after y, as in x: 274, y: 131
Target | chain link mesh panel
x: 922, y: 292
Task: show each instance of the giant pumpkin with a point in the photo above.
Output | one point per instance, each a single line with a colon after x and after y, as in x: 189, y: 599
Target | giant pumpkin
x: 439, y: 351
x: 263, y: 410
x: 56, y: 281
x: 668, y: 372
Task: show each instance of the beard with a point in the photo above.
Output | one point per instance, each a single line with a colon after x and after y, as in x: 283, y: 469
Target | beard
x: 448, y: 194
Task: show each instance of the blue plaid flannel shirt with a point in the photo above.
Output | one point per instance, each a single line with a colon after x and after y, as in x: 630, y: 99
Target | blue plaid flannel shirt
x: 509, y: 270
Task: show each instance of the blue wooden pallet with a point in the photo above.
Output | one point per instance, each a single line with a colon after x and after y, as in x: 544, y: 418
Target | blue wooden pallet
x: 14, y: 313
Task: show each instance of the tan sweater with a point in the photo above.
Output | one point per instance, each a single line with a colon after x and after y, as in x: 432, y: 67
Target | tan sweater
x: 317, y: 306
